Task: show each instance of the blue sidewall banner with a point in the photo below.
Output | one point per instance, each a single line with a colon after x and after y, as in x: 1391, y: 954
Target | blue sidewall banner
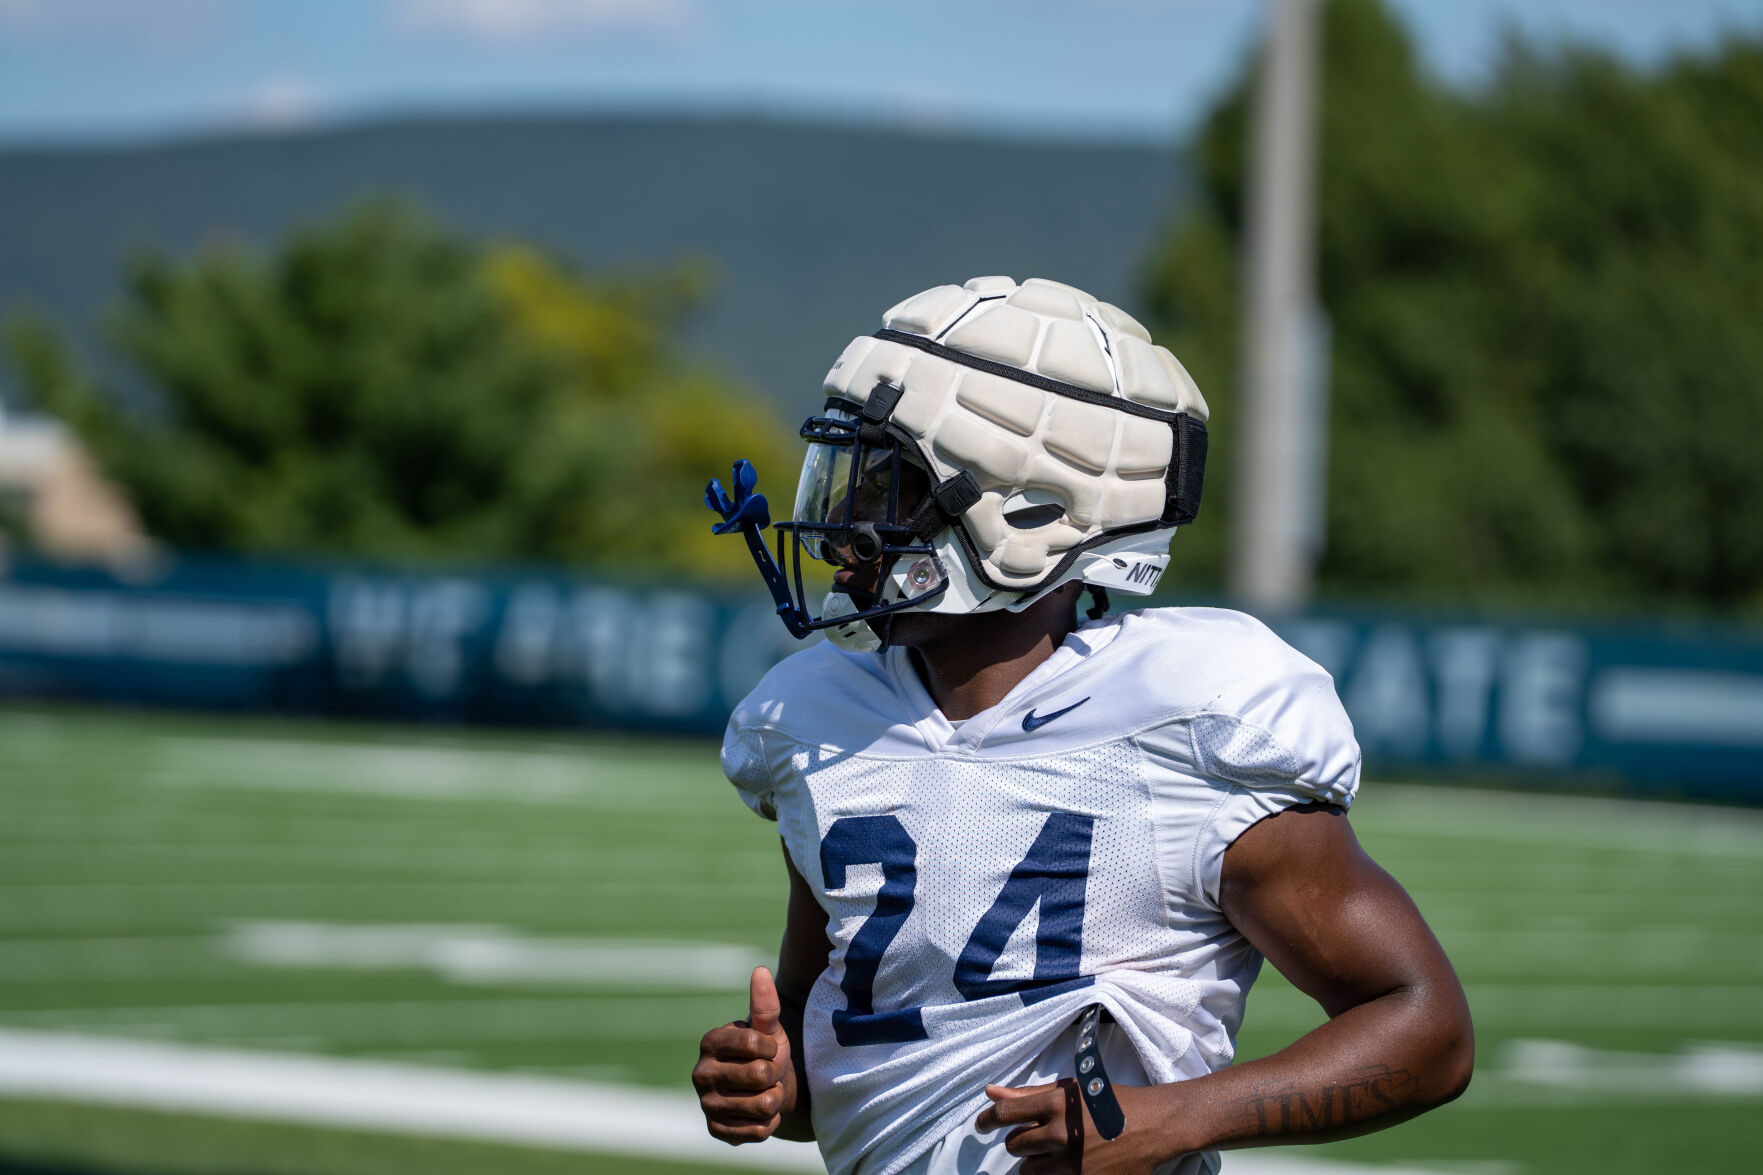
x: 1676, y: 709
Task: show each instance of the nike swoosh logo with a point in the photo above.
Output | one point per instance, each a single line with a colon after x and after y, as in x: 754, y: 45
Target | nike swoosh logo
x: 1031, y: 723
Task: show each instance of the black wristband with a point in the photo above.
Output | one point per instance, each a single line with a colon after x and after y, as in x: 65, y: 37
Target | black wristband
x: 1092, y: 1078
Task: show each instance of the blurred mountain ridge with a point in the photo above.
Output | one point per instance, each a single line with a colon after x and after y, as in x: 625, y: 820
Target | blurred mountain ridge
x: 807, y: 232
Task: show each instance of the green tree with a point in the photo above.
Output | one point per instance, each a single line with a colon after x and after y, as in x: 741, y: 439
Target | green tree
x: 1547, y: 381
x: 376, y: 386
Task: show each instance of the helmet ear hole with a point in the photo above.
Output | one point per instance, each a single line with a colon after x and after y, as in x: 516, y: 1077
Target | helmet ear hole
x: 1031, y: 517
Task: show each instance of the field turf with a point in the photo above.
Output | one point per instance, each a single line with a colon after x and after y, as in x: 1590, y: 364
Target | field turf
x: 584, y: 909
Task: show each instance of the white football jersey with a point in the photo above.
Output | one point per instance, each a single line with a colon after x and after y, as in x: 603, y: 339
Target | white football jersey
x: 985, y: 883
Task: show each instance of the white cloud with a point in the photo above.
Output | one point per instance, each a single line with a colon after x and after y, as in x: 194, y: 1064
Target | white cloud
x: 531, y: 22
x: 163, y: 24
x: 1166, y: 5
x: 928, y: 106
x: 282, y: 101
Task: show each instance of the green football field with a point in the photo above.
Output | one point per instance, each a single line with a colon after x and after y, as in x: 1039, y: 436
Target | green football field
x: 580, y: 910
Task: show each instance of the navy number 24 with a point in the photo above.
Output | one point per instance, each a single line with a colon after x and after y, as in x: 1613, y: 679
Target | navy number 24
x: 1053, y: 874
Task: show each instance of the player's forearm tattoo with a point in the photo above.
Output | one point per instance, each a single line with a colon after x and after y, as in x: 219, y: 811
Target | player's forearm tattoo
x: 1370, y: 1093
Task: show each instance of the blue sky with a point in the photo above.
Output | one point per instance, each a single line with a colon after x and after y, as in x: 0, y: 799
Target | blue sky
x: 74, y: 69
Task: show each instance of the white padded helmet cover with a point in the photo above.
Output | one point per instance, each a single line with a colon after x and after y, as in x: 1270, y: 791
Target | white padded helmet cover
x: 1064, y: 469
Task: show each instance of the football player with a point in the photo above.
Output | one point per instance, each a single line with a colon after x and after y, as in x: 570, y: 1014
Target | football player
x: 1035, y: 864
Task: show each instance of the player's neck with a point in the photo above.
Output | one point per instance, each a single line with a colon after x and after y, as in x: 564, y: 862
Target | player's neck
x: 969, y: 664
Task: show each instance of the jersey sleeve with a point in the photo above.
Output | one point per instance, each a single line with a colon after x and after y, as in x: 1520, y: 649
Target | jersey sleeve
x: 810, y: 695
x: 749, y: 767
x: 1274, y: 741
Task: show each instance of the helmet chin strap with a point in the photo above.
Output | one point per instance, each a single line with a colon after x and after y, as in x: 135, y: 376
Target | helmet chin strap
x: 859, y: 636
x: 853, y: 636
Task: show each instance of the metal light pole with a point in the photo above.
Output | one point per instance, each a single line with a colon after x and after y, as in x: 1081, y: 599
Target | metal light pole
x: 1276, y: 529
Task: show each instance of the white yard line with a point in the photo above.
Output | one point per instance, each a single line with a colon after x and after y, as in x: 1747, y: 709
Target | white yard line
x: 375, y: 1095
x: 1700, y: 1070
x: 121, y: 901
x: 395, y: 1023
x: 1710, y: 1008
x: 494, y: 955
x: 1707, y: 1011
x: 434, y: 860
x: 427, y: 1101
x: 1422, y: 814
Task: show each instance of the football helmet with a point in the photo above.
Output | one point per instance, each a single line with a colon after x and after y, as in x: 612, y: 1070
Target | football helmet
x: 991, y: 443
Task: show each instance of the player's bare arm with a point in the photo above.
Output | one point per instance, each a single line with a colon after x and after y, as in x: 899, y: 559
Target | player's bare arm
x: 747, y: 1077
x: 1398, y: 1040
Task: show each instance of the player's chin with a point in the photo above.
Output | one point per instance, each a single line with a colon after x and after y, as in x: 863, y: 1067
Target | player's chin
x: 859, y: 584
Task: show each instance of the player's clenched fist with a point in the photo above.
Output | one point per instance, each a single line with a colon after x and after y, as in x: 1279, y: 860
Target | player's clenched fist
x: 744, y: 1076
x: 1051, y: 1131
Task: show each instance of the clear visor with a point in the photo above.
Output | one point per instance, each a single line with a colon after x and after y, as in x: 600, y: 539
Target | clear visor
x: 829, y: 495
